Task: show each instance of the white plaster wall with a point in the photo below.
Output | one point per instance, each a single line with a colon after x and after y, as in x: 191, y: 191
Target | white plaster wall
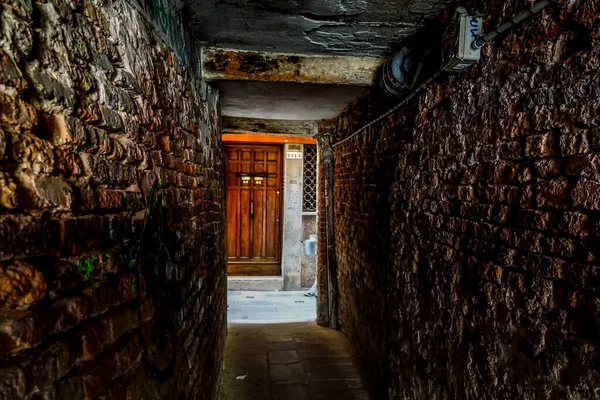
x: 291, y: 264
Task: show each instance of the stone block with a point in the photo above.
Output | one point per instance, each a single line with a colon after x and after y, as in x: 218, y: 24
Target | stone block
x: 102, y: 333
x: 9, y: 198
x: 544, y: 220
x: 576, y: 223
x: 54, y: 88
x: 76, y: 234
x: 32, y: 153
x: 17, y: 114
x: 586, y: 166
x: 109, y: 199
x: 23, y: 236
x: 549, y: 168
x: 20, y: 284
x: 103, y: 296
x: 574, y: 142
x: 45, y: 191
x: 511, y: 151
x: 553, y: 194
x: 10, y: 76
x: 586, y: 195
x: 17, y: 30
x: 542, y: 145
x: 66, y: 130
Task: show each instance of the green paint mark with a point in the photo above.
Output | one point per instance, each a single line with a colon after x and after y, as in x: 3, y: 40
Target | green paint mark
x: 86, y: 267
x: 103, y: 136
x: 81, y: 48
x: 107, y: 255
x: 133, y: 286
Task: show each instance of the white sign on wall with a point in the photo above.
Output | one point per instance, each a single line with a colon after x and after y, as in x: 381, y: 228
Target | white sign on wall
x: 293, y: 155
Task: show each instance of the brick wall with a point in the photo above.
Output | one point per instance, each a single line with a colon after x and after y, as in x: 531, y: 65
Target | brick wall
x: 112, y: 276
x: 321, y: 256
x: 467, y: 223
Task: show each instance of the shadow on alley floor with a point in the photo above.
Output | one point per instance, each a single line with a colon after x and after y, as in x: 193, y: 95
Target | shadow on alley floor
x: 287, y: 360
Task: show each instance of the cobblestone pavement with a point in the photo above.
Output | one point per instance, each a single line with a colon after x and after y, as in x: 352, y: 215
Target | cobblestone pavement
x: 261, y: 307
x: 289, y: 361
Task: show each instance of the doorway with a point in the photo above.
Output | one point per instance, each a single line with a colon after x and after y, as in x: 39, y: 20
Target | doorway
x: 254, y: 197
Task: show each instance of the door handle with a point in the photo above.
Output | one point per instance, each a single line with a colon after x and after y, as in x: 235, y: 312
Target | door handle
x: 251, y: 208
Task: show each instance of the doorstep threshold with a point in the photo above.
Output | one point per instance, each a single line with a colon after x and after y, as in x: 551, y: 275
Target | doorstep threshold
x: 268, y: 283
x: 254, y: 278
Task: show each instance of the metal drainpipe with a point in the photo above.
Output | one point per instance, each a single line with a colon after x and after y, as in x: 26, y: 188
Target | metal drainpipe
x: 332, y: 283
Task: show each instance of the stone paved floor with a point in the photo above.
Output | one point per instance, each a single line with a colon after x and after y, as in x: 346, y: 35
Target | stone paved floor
x: 261, y: 307
x: 289, y: 361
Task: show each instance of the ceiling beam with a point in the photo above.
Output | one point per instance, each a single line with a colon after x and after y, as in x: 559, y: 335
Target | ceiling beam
x: 235, y: 65
x: 270, y: 126
x: 256, y: 138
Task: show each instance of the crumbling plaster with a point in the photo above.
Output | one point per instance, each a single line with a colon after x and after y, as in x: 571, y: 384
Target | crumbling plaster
x: 356, y: 27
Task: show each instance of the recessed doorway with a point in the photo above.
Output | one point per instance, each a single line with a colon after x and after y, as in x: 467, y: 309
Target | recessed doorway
x: 254, y: 197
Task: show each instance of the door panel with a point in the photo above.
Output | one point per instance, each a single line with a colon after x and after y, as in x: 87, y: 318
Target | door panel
x: 271, y: 245
x: 233, y: 217
x: 244, y: 231
x: 259, y: 225
x: 254, y: 182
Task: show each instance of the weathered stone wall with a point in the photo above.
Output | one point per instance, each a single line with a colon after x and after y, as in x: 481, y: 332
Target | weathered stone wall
x: 112, y: 274
x: 467, y: 224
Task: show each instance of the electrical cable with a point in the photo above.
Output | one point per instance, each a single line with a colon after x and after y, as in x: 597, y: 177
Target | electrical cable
x: 403, y: 102
x: 478, y: 43
x: 511, y: 23
x: 419, y: 69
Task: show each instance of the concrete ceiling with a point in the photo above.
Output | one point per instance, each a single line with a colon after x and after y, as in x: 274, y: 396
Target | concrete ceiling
x: 357, y: 28
x: 288, y: 101
x: 343, y: 27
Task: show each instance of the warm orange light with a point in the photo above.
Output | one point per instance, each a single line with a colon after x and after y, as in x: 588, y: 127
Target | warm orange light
x: 258, y: 138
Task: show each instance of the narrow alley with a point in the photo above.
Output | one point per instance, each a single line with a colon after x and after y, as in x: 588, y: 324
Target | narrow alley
x: 275, y: 350
x: 299, y: 200
x: 289, y: 361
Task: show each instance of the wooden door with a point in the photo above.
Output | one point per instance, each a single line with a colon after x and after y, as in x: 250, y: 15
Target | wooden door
x: 254, y: 181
